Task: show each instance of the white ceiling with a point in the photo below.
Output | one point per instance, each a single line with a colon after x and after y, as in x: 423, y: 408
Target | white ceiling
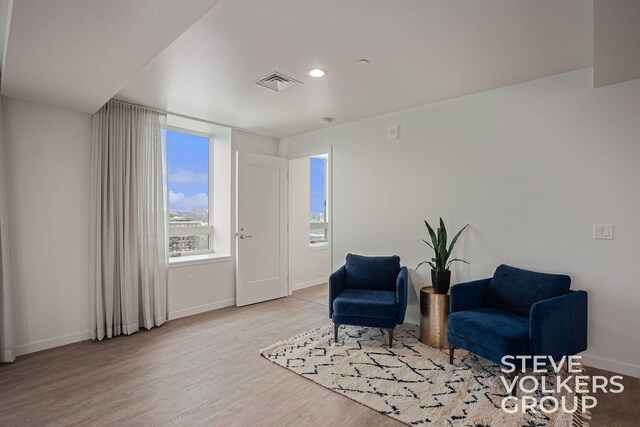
x: 76, y: 54
x: 421, y: 51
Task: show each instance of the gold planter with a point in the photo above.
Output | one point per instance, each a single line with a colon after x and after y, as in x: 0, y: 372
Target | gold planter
x: 434, y: 309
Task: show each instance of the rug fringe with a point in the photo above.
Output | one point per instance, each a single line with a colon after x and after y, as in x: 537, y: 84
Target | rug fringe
x: 293, y: 338
x: 581, y: 418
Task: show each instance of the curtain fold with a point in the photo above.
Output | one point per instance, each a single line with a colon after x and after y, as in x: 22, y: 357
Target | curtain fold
x: 7, y: 353
x: 129, y: 259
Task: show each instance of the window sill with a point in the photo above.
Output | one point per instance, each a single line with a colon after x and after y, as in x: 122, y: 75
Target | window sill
x: 318, y: 246
x: 184, y: 261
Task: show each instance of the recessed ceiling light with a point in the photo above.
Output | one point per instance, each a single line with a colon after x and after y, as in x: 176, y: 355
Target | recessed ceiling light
x: 362, y: 61
x: 326, y: 120
x: 317, y: 72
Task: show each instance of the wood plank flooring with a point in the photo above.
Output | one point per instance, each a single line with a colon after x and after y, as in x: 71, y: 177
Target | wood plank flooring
x: 202, y: 370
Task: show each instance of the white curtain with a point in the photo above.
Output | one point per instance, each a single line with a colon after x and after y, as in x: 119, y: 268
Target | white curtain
x: 6, y: 311
x: 129, y: 263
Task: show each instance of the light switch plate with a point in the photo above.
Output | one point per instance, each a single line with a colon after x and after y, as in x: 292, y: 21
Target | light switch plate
x: 603, y: 231
x: 394, y: 133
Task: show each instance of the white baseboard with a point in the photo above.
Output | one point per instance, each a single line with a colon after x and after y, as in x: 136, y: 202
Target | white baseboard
x: 611, y: 365
x: 48, y: 343
x: 45, y: 344
x: 308, y: 284
x: 201, y: 309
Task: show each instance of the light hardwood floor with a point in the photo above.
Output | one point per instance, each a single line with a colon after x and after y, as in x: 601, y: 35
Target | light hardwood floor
x: 202, y: 370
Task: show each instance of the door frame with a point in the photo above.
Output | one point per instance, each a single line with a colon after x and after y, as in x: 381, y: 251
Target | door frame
x: 298, y: 155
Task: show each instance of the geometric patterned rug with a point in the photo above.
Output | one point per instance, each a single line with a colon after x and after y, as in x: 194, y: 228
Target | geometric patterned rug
x: 410, y: 382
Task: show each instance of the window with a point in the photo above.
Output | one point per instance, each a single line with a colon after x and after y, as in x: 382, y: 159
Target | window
x: 318, y: 218
x: 188, y: 164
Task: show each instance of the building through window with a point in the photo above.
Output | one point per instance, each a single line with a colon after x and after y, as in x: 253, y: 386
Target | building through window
x: 318, y: 218
x: 190, y: 229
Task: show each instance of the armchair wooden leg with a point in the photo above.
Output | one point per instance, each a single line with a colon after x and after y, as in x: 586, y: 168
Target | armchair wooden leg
x: 451, y: 349
x: 335, y: 331
x: 391, y: 338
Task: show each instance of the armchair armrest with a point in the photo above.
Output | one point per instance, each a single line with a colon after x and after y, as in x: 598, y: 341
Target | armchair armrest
x: 558, y: 326
x: 403, y: 283
x: 337, y: 282
x: 469, y: 295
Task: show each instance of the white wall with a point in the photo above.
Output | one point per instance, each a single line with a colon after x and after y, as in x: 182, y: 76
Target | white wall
x: 203, y: 285
x: 308, y: 266
x: 213, y: 281
x: 48, y: 160
x: 212, y: 287
x: 530, y: 167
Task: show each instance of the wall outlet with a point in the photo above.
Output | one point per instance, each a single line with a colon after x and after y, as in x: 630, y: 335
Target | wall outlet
x: 603, y: 231
x: 189, y: 279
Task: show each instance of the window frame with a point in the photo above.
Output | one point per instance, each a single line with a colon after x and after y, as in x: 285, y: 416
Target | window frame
x: 175, y: 257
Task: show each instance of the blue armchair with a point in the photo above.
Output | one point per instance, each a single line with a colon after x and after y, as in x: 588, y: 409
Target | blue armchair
x: 518, y: 312
x: 369, y: 291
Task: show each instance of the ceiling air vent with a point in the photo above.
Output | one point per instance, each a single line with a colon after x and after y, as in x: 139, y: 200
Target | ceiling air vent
x: 278, y: 82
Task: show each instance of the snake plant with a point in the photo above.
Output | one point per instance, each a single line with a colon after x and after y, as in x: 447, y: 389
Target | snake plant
x: 441, y: 261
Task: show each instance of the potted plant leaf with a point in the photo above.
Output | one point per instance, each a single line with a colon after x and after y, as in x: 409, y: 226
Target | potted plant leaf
x: 440, y: 263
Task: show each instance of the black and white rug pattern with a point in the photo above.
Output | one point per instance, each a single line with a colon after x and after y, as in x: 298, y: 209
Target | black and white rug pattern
x: 410, y: 382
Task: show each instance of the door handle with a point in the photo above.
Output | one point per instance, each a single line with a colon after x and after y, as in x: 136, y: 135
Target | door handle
x: 245, y: 236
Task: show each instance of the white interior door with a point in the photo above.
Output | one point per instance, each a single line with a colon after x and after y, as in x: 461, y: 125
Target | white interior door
x: 261, y: 228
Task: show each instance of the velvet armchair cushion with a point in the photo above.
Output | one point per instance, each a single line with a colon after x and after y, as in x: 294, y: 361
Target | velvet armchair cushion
x: 498, y: 330
x: 374, y: 273
x: 366, y: 303
x: 516, y: 290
